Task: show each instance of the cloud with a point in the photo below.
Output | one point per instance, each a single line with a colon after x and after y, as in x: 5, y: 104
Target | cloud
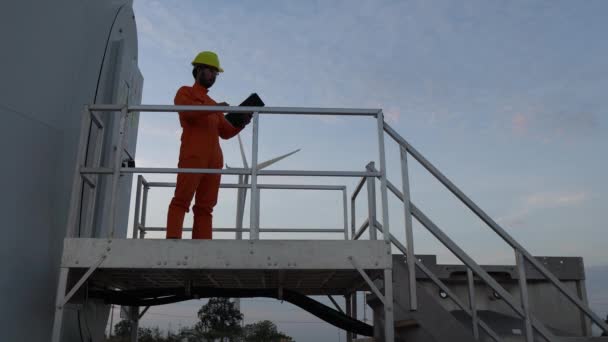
x: 392, y: 114
x: 550, y: 124
x: 520, y: 123
x: 555, y: 200
x: 542, y: 200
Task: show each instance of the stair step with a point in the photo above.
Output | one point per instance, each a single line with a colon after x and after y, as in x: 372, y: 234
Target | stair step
x: 584, y: 339
x: 406, y: 323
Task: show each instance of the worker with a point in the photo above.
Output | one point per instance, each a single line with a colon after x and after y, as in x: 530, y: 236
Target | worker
x: 200, y: 148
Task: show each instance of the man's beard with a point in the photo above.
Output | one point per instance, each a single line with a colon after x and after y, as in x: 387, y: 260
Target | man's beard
x: 206, y: 83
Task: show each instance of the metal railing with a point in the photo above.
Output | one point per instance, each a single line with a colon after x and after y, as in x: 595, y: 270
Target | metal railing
x: 88, y: 174
x: 141, y: 204
x: 521, y: 254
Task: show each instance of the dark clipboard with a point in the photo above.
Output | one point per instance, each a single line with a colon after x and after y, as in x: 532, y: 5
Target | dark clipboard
x: 238, y: 119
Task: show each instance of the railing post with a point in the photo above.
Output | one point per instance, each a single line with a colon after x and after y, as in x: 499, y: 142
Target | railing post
x: 523, y: 290
x: 240, y: 206
x: 144, y: 209
x: 116, y: 165
x: 349, y: 313
x: 345, y: 209
x: 352, y: 219
x: 473, y: 303
x: 135, y: 234
x: 383, y: 181
x: 59, y: 297
x: 371, y: 202
x: 389, y: 320
x: 254, y: 225
x: 354, y: 310
x: 409, y: 235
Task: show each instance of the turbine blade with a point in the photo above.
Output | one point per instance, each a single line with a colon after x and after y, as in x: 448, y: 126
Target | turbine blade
x: 274, y: 160
x: 242, y: 152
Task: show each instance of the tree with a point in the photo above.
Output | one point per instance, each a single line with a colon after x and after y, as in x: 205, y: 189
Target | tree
x: 123, y: 328
x: 122, y: 333
x: 264, y: 331
x: 219, y: 319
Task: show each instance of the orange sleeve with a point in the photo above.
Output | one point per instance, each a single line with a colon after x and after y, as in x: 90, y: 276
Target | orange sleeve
x: 226, y: 130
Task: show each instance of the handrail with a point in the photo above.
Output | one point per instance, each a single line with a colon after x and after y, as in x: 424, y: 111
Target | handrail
x: 468, y: 261
x: 143, y: 184
x: 116, y: 170
x: 493, y: 225
x: 237, y: 109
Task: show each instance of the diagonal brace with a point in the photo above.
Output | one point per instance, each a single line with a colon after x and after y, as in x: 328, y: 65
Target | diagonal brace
x: 367, y: 279
x: 83, y: 279
x: 335, y: 303
x: 142, y: 313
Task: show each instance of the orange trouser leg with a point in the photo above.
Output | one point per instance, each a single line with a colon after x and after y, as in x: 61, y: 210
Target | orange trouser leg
x: 180, y: 204
x: 205, y: 200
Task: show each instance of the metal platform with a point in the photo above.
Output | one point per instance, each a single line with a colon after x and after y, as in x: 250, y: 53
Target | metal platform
x: 309, y: 267
x: 317, y: 267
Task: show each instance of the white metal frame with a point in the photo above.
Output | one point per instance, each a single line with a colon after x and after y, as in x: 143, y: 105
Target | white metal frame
x: 143, y: 186
x: 368, y: 178
x: 116, y: 170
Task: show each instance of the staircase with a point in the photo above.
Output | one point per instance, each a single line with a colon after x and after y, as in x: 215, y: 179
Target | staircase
x: 437, y: 319
x: 418, y: 312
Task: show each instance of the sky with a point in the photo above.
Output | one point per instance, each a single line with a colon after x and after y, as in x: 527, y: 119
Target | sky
x: 506, y: 98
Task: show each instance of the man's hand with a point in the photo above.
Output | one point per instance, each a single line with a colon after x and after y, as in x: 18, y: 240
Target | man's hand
x: 247, y: 119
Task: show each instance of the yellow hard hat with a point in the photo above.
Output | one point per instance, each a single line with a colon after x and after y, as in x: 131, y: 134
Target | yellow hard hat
x: 208, y: 58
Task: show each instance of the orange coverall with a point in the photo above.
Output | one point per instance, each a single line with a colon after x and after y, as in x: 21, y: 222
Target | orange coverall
x: 200, y: 148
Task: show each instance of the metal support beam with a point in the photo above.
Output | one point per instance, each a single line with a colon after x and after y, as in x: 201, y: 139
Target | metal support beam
x: 349, y: 313
x: 59, y: 300
x: 361, y: 230
x: 473, y: 303
x: 335, y: 304
x: 383, y: 180
x: 82, y: 280
x: 345, y: 212
x: 136, y: 223
x: 134, y: 318
x: 254, y: 223
x: 354, y: 310
x: 523, y: 290
x: 389, y: 320
x: 352, y: 219
x: 368, y: 280
x: 144, y: 209
x: 371, y: 203
x: 409, y: 235
x: 141, y: 314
